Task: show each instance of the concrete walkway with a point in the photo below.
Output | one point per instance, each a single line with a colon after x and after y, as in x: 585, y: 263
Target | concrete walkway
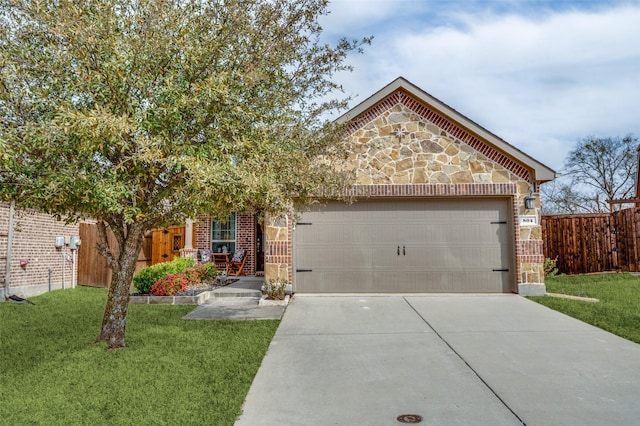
x: 453, y: 360
x: 237, y: 301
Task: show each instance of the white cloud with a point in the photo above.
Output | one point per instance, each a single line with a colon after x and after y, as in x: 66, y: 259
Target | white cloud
x: 541, y: 81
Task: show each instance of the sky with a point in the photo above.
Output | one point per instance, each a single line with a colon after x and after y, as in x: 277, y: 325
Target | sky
x: 541, y: 75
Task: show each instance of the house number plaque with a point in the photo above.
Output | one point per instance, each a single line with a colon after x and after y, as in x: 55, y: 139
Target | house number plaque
x: 531, y: 220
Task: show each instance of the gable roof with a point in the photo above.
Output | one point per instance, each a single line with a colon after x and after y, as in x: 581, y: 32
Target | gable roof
x: 464, y: 126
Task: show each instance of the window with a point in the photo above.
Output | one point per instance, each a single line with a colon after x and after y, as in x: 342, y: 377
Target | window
x: 223, y: 235
x: 177, y: 242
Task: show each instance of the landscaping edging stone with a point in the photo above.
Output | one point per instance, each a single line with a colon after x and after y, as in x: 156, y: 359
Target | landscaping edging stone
x: 265, y: 302
x: 196, y: 299
x: 567, y: 296
x: 170, y: 300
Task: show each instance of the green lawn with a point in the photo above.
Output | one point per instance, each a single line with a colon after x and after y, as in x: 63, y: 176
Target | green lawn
x: 618, y: 310
x: 172, y: 371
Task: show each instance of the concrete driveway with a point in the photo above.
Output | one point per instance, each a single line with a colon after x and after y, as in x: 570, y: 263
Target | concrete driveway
x: 453, y: 360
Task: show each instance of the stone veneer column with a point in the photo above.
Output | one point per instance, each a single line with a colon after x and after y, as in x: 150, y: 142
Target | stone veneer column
x: 278, y: 245
x: 529, y: 253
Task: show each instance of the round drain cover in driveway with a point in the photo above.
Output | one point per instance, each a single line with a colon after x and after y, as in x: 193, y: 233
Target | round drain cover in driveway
x: 409, y: 418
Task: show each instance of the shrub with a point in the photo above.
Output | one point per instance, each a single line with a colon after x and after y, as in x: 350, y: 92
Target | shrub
x: 146, y: 278
x: 193, y: 276
x: 207, y: 271
x: 180, y: 264
x: 170, y: 284
x: 549, y: 266
x: 274, y: 289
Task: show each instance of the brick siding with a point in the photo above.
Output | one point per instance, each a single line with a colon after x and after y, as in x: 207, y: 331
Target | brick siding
x: 245, y: 237
x: 34, y: 240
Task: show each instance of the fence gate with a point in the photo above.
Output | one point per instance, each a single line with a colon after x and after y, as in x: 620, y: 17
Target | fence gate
x: 627, y: 230
x: 166, y: 243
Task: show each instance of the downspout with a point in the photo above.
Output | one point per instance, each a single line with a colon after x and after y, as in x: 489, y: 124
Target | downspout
x: 7, y: 277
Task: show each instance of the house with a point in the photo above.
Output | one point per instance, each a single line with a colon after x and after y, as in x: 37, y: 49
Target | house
x: 33, y: 260
x: 442, y: 205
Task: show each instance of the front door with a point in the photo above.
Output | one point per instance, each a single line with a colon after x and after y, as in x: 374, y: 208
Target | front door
x: 259, y: 246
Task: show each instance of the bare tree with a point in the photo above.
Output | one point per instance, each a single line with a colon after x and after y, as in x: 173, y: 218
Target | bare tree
x: 560, y: 197
x: 598, y: 169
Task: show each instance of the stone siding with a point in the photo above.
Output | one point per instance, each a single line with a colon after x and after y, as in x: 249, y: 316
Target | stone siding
x: 278, y: 248
x: 398, y: 148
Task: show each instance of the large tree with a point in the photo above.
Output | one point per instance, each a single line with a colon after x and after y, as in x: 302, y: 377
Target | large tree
x: 144, y: 113
x: 596, y: 170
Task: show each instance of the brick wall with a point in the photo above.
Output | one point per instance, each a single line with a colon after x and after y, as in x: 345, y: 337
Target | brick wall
x: 245, y: 237
x: 34, y: 241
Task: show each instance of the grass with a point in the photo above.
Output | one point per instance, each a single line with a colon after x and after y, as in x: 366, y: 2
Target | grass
x: 618, y: 310
x: 172, y: 371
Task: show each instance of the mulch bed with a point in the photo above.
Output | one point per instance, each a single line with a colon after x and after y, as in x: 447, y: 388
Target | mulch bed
x: 200, y: 288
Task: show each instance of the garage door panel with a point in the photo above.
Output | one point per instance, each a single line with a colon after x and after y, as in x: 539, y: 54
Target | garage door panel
x: 430, y: 257
x: 382, y: 282
x: 447, y: 232
x: 434, y: 282
x: 358, y: 256
x: 384, y: 234
x: 333, y: 281
x: 445, y: 246
x: 384, y: 257
x: 458, y: 256
x: 327, y: 234
x: 320, y: 256
x: 335, y: 258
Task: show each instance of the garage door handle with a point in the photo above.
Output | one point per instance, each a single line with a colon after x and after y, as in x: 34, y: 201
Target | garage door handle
x: 500, y: 270
x: 404, y: 252
x: 304, y: 270
x: 398, y: 250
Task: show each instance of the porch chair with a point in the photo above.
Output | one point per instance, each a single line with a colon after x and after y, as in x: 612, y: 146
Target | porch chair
x: 235, y: 266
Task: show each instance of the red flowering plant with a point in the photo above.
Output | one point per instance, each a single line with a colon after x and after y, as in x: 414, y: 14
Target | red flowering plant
x: 193, y: 276
x: 170, y: 284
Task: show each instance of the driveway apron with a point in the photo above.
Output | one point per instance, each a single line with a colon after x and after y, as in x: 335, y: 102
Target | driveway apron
x: 452, y: 360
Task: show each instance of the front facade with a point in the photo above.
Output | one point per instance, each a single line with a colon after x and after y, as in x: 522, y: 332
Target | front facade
x: 440, y: 207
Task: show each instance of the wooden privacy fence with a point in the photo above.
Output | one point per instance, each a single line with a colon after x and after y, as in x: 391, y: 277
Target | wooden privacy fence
x: 628, y: 239
x: 92, y: 267
x: 597, y: 242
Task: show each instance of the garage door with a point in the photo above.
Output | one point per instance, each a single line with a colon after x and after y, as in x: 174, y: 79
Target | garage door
x: 443, y: 246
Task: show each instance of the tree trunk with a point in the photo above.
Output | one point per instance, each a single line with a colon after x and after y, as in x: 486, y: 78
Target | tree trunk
x: 115, y: 313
